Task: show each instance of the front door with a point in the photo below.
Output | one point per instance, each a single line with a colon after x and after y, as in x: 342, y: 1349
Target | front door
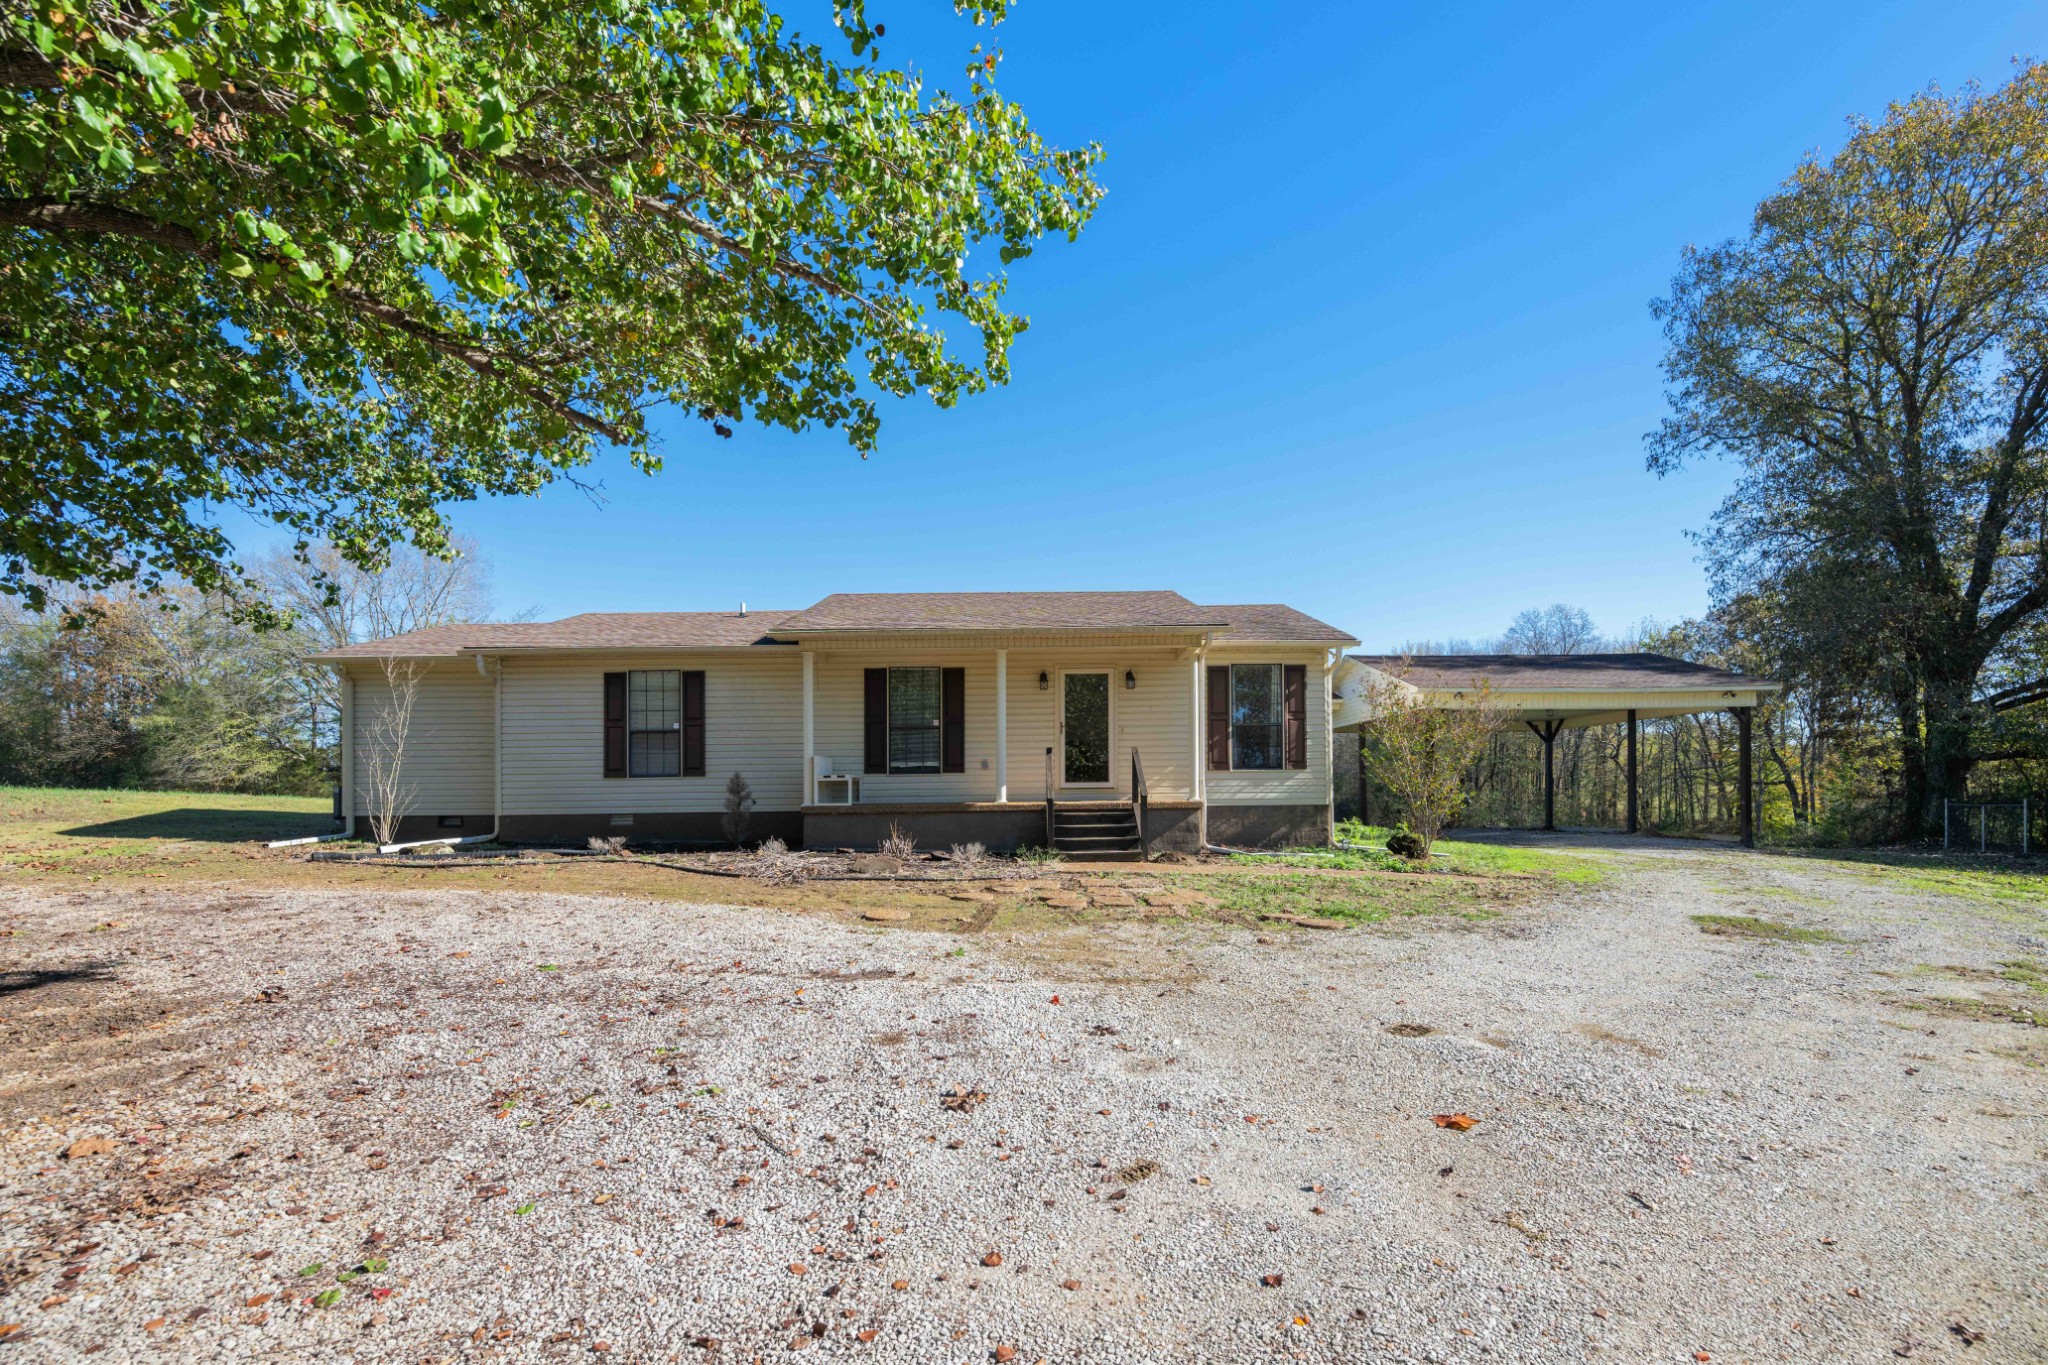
x: 1084, y: 729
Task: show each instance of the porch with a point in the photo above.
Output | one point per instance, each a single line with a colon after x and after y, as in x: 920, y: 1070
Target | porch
x: 1093, y: 749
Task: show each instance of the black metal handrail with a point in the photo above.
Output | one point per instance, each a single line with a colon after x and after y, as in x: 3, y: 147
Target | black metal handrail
x: 1050, y: 842
x: 1140, y: 798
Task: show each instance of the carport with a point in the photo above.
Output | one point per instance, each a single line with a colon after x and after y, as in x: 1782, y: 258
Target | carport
x: 1551, y: 693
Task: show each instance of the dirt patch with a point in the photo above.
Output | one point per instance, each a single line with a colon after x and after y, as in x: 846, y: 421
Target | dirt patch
x: 1600, y: 1033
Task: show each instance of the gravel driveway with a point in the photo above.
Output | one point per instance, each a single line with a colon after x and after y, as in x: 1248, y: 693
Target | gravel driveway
x: 456, y: 1127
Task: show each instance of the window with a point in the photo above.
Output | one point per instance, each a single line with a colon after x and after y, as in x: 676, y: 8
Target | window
x: 654, y: 722
x: 1256, y: 716
x: 914, y: 714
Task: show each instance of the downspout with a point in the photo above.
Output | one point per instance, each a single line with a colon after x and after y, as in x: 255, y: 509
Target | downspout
x: 497, y: 676
x: 348, y: 771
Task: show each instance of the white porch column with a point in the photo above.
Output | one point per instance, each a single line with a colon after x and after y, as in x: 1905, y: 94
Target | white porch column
x: 1002, y: 725
x: 810, y: 730
x: 1199, y: 754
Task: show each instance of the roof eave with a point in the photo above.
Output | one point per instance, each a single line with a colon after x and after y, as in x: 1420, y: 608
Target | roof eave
x: 812, y: 632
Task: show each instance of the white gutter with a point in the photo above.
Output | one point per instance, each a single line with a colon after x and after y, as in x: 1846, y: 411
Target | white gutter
x: 348, y: 753
x: 497, y: 677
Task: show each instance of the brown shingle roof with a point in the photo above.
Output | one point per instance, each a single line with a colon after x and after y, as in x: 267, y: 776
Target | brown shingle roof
x: 591, y: 630
x: 997, y: 611
x: 1270, y: 623
x: 1258, y: 623
x: 1557, y: 672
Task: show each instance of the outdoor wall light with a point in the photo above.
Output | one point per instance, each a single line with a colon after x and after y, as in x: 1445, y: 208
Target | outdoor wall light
x: 1044, y: 681
x: 1130, y: 681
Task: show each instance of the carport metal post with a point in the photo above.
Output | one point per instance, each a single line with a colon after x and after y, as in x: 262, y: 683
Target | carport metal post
x: 1547, y: 732
x: 1746, y: 820
x: 1631, y: 771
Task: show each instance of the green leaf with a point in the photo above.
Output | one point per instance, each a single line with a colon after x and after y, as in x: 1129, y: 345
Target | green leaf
x: 391, y: 126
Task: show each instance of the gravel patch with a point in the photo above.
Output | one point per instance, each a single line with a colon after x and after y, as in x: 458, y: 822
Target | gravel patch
x: 451, y: 1126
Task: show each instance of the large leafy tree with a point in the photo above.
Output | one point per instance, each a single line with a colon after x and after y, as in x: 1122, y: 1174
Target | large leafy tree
x: 338, y: 263
x: 1875, y: 355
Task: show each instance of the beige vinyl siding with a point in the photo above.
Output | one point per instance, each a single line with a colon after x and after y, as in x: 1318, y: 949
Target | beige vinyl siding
x: 1154, y: 716
x: 1308, y: 786
x: 447, y: 756
x: 554, y: 734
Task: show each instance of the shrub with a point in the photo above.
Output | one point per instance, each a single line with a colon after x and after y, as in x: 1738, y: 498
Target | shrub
x: 899, y: 844
x: 1406, y: 842
x: 739, y: 809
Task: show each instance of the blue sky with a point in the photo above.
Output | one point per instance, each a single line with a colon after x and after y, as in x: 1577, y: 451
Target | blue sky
x: 1361, y: 326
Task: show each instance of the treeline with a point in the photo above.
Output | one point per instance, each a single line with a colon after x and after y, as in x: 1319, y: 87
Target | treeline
x: 178, y: 690
x: 1829, y: 762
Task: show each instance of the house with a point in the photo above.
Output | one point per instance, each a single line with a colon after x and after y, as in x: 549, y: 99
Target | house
x: 1097, y: 720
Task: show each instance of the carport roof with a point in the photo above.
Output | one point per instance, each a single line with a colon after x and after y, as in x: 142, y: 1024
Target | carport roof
x: 1572, y: 690
x: 1556, y: 672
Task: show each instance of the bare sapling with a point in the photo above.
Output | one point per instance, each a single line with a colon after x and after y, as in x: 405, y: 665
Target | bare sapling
x: 388, y: 793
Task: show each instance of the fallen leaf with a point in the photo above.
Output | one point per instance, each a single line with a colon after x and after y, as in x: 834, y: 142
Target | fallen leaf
x: 95, y: 1146
x: 153, y: 1324
x: 1009, y: 1353
x: 1270, y: 1281
x: 1457, y: 1123
x: 799, y: 1269
x: 900, y: 1284
x: 602, y: 1199
x: 1070, y: 1284
x: 994, y: 1258
x: 257, y: 1301
x: 866, y: 1334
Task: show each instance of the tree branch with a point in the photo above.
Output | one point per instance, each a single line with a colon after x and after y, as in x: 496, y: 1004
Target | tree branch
x: 2018, y: 695
x: 110, y: 221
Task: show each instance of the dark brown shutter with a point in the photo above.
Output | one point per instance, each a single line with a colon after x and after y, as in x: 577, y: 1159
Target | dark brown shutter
x: 693, y: 724
x: 877, y: 721
x: 614, y: 725
x: 952, y: 720
x: 1219, y: 718
x: 1294, y: 693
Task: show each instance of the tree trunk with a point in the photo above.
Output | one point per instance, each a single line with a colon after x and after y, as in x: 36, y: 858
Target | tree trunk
x: 1945, y: 754
x: 1911, y: 815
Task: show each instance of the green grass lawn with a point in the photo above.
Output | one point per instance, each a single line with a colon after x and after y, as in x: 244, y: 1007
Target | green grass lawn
x: 2013, y: 883
x: 54, y: 827
x: 1458, y: 856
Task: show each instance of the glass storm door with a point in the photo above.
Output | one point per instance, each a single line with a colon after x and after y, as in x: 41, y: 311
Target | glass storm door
x: 1084, y: 729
